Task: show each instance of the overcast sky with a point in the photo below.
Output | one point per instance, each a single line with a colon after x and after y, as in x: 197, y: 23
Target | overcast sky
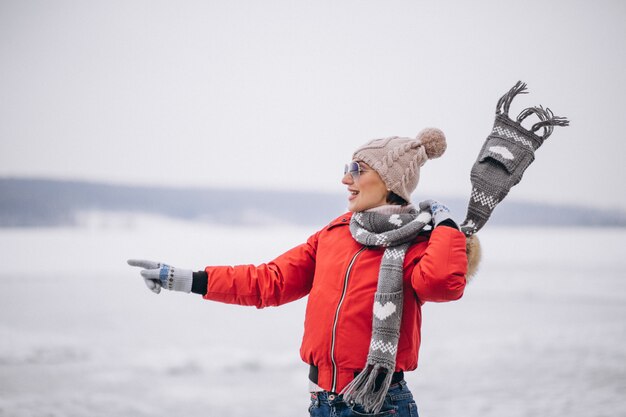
x: 277, y: 94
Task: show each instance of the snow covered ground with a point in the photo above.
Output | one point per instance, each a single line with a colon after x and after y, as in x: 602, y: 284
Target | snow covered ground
x: 541, y: 331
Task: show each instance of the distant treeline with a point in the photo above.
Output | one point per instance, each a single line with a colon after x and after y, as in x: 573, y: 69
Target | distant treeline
x: 41, y: 202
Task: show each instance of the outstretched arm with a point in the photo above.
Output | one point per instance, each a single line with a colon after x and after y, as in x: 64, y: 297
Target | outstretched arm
x: 286, y: 278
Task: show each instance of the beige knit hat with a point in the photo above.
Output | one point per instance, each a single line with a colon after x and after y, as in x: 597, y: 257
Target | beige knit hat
x: 398, y: 160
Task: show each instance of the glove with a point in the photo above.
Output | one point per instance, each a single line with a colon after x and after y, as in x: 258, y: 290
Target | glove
x: 439, y: 211
x: 158, y: 275
x: 507, y: 152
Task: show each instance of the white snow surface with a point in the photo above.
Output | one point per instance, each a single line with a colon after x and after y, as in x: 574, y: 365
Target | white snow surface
x: 541, y: 330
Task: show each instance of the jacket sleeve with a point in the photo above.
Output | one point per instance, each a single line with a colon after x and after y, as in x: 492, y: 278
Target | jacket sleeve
x: 440, y: 273
x: 285, y: 279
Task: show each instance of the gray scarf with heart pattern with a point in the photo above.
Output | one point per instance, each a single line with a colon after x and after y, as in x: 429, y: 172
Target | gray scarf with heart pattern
x: 394, y: 232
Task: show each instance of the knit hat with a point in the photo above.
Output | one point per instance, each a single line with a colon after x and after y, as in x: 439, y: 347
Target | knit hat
x: 398, y: 160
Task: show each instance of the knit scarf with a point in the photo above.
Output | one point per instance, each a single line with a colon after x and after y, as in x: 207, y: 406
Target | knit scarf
x: 394, y: 232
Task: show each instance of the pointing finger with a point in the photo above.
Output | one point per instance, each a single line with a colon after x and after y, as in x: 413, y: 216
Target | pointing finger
x: 143, y: 263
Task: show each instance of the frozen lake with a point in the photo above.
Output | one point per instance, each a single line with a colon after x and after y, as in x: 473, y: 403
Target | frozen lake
x: 540, y: 331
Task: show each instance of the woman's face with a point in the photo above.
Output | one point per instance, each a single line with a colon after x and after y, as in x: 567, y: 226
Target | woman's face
x: 367, y: 191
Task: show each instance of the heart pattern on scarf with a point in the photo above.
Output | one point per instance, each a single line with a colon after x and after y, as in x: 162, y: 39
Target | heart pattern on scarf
x: 383, y: 311
x: 395, y: 219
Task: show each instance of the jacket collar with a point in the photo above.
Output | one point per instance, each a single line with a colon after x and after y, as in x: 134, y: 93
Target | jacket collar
x: 342, y: 220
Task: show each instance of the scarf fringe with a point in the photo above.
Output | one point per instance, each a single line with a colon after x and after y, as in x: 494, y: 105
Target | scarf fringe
x: 362, y: 389
x: 505, y: 101
x: 547, y: 119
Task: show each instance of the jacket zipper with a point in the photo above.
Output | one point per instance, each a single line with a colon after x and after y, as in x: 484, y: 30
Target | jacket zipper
x: 343, y: 296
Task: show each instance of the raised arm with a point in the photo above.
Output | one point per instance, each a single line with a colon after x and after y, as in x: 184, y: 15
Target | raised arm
x: 440, y: 273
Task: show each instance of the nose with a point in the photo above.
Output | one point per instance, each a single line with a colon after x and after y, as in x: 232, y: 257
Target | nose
x: 347, y: 179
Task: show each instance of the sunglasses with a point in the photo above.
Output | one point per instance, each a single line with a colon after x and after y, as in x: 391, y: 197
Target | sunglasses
x: 354, y: 169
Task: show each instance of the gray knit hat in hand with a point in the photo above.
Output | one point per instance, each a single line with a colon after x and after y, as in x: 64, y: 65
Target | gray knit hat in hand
x: 505, y: 155
x: 398, y: 160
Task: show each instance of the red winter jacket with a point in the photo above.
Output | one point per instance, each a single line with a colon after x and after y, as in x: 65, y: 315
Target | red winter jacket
x: 340, y: 276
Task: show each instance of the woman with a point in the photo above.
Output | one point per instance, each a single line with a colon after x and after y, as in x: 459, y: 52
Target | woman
x: 367, y: 275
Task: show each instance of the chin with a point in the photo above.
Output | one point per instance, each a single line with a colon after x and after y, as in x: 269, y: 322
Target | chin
x: 353, y: 207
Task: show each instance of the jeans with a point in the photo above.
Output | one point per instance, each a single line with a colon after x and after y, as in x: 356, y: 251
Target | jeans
x: 398, y: 403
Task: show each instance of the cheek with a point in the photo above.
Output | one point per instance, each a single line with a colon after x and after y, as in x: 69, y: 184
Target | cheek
x: 382, y: 194
x: 375, y: 190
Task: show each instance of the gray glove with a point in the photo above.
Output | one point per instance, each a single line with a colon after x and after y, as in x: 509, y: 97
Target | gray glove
x: 159, y: 275
x: 439, y: 211
x: 507, y: 152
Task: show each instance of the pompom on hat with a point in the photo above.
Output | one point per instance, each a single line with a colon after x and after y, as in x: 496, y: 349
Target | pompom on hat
x: 398, y: 160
